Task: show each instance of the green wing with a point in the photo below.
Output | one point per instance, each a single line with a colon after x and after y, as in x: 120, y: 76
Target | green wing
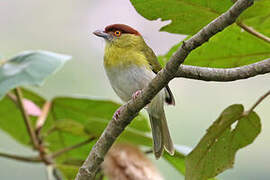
x: 152, y: 59
x: 156, y: 67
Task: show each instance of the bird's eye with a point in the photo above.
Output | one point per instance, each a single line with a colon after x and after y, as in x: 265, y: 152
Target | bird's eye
x: 117, y: 33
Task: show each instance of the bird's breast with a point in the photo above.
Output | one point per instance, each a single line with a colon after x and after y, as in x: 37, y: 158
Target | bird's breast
x: 126, y: 81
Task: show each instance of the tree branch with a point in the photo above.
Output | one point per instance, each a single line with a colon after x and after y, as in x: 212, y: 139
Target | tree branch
x: 26, y: 118
x: 222, y: 75
x: 21, y: 158
x: 130, y: 110
x: 253, y: 32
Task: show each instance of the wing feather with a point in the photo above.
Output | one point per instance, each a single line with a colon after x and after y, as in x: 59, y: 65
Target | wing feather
x: 156, y: 67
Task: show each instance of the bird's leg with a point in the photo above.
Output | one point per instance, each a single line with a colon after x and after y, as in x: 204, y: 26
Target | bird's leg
x: 136, y: 94
x: 117, y: 113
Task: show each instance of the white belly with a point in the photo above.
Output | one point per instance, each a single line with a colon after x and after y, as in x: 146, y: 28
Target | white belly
x: 127, y: 81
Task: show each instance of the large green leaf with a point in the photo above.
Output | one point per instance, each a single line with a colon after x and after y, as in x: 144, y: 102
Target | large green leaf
x: 216, y: 150
x: 11, y: 120
x: 189, y: 16
x: 260, y: 8
x: 97, y: 125
x: 29, y: 68
x: 88, y: 117
x: 70, y: 126
x: 94, y: 116
x: 85, y: 110
x: 258, y: 17
x: 230, y: 48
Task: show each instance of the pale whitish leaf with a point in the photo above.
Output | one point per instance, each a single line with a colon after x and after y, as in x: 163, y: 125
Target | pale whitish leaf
x: 29, y: 68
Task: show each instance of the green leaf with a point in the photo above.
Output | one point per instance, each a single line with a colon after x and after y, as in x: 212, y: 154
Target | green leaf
x: 86, y: 110
x: 257, y: 17
x: 187, y: 16
x: 70, y: 126
x: 11, y: 120
x: 216, y: 150
x: 85, y: 116
x: 230, y: 48
x: 29, y: 68
x: 96, y: 127
x: 258, y: 9
x: 82, y: 112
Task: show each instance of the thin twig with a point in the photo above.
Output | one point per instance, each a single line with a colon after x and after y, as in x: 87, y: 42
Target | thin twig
x: 26, y: 118
x: 42, y: 118
x: 116, y: 126
x: 257, y: 103
x: 67, y: 149
x: 21, y: 158
x: 253, y: 32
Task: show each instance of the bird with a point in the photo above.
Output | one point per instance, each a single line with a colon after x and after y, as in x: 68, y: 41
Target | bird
x: 130, y: 65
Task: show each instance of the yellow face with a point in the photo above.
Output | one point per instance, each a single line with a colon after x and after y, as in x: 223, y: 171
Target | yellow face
x: 125, y: 51
x: 124, y: 47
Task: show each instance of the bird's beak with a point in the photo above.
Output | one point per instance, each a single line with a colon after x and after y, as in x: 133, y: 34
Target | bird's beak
x: 100, y: 33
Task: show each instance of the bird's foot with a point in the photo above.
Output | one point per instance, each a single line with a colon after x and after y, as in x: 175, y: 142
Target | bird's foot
x: 136, y: 94
x: 117, y: 113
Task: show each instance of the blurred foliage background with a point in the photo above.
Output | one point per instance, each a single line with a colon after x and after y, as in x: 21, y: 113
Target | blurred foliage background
x: 67, y: 26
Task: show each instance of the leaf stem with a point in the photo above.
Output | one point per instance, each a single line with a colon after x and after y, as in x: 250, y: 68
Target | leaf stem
x: 21, y: 158
x: 26, y: 118
x: 253, y: 32
x: 67, y: 149
x: 257, y: 102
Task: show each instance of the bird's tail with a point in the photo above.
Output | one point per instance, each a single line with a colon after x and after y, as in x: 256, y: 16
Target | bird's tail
x: 160, y: 130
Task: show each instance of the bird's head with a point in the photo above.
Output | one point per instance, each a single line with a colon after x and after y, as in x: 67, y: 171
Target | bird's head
x: 120, y: 35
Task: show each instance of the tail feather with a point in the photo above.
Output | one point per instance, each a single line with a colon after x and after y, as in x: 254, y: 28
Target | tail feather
x: 157, y: 134
x: 160, y: 130
x: 168, y: 144
x: 161, y: 135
